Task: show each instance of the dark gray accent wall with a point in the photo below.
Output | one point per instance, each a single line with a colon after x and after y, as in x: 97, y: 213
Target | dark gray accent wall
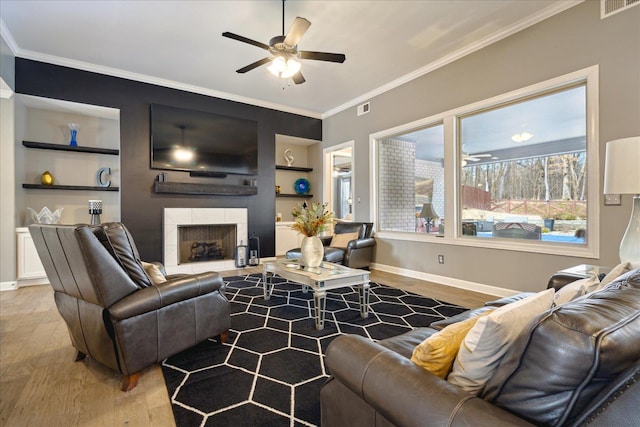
x: 141, y: 207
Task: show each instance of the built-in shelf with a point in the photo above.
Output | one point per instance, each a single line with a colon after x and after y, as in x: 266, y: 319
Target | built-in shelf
x: 78, y: 149
x: 69, y: 187
x: 304, y: 196
x: 204, y: 189
x: 293, y: 168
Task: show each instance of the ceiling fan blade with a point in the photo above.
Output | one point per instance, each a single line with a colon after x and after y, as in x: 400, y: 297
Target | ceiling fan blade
x: 297, y: 30
x: 471, y: 159
x: 297, y: 78
x: 245, y: 40
x: 322, y: 56
x: 481, y: 155
x: 253, y: 65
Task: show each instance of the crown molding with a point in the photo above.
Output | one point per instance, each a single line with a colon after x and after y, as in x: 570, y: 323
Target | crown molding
x: 115, y: 72
x: 5, y: 91
x: 8, y: 37
x: 550, y: 11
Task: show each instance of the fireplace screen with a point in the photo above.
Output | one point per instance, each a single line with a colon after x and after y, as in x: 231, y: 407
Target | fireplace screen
x: 206, y: 242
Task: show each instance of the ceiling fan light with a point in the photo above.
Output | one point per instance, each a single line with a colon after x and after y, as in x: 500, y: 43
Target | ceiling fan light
x: 521, y: 137
x: 278, y: 65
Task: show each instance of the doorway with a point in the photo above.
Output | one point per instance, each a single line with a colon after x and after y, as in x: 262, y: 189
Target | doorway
x: 338, y: 180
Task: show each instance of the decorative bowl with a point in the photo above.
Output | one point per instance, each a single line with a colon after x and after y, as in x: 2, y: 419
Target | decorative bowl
x: 46, y: 216
x: 302, y: 186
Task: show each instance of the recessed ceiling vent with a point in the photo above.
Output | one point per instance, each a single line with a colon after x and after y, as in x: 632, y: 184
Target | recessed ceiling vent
x: 364, y: 108
x: 611, y: 7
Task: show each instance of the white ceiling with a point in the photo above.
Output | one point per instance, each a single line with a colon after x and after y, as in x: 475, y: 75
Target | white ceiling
x: 179, y: 43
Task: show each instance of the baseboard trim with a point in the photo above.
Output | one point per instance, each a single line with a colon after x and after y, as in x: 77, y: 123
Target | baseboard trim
x: 8, y: 286
x: 38, y: 281
x: 447, y: 281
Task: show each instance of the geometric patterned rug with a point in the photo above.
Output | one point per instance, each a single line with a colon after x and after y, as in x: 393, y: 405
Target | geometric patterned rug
x: 271, y: 370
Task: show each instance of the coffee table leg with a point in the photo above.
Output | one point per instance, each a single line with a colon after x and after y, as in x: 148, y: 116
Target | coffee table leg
x: 319, y: 305
x: 267, y: 284
x: 364, y: 300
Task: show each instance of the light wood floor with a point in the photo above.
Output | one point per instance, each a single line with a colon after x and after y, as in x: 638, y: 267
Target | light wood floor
x: 40, y: 385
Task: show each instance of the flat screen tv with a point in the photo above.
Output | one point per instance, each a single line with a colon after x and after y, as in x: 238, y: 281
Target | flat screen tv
x: 197, y: 141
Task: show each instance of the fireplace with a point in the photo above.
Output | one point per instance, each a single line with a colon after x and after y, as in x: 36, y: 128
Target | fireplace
x: 201, y: 243
x: 202, y: 239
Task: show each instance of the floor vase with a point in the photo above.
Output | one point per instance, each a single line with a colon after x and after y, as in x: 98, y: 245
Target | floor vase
x: 312, y: 251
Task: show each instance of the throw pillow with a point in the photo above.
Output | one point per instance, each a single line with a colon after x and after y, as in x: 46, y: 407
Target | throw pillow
x: 488, y: 340
x: 343, y: 239
x: 154, y: 273
x: 576, y: 289
x: 437, y: 353
x: 618, y: 270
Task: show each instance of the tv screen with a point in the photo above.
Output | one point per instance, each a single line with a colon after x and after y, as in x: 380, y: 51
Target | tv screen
x: 197, y: 141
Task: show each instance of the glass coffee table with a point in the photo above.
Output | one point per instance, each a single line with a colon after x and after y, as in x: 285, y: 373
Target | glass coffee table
x: 321, y: 279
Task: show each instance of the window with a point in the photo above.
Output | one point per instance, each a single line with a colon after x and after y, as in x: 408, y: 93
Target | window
x: 411, y: 171
x: 524, y: 169
x: 514, y: 172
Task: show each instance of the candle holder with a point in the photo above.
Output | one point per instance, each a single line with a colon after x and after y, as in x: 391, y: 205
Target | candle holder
x: 73, y: 127
x: 95, y: 209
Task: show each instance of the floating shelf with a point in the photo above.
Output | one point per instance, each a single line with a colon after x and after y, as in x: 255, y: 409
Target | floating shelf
x: 69, y: 187
x: 304, y: 196
x: 61, y: 147
x: 293, y: 168
x: 204, y: 189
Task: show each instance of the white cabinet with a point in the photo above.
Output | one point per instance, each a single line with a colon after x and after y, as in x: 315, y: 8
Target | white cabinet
x: 30, y: 270
x: 286, y: 238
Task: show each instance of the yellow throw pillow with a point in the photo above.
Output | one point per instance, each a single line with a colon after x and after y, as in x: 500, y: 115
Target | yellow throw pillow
x: 437, y: 353
x: 343, y: 239
x: 154, y: 273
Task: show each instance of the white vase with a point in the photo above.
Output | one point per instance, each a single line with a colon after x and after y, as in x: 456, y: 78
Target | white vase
x: 312, y: 251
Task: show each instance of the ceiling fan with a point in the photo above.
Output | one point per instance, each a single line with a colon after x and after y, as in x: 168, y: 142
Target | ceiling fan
x: 284, y: 51
x: 466, y: 157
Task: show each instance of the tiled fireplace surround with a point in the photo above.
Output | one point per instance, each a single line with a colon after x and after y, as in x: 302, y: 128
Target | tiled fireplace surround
x: 174, y: 217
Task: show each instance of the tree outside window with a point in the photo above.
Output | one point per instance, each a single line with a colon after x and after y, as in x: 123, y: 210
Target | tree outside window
x: 523, y: 169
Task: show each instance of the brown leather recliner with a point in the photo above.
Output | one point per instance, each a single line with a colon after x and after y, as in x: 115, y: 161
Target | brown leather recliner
x: 358, y: 252
x: 113, y: 311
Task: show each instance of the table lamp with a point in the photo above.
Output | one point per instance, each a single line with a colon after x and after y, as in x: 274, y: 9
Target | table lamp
x: 95, y: 209
x: 622, y: 176
x: 429, y: 214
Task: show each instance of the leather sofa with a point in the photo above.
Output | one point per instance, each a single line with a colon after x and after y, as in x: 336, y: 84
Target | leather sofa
x: 578, y: 365
x: 358, y: 253
x: 114, y: 312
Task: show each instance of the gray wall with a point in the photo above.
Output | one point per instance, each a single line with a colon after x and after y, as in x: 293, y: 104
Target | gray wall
x: 7, y: 172
x: 567, y: 42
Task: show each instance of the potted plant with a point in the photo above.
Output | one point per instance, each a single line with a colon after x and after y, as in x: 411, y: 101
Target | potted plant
x: 311, y: 220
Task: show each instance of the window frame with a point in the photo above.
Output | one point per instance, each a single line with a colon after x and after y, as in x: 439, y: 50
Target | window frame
x: 452, y: 174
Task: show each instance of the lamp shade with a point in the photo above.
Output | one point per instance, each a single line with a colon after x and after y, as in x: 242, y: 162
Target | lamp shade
x: 621, y: 172
x: 621, y: 176
x: 428, y: 211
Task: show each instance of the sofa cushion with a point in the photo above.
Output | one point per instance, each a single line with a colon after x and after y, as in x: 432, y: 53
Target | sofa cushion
x: 342, y: 240
x: 556, y: 370
x: 576, y: 289
x: 441, y: 324
x: 437, y: 353
x: 404, y: 344
x: 617, y: 271
x: 488, y: 340
x: 351, y: 227
x: 118, y: 241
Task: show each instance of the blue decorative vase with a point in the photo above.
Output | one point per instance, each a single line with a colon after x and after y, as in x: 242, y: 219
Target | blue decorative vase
x: 73, y: 127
